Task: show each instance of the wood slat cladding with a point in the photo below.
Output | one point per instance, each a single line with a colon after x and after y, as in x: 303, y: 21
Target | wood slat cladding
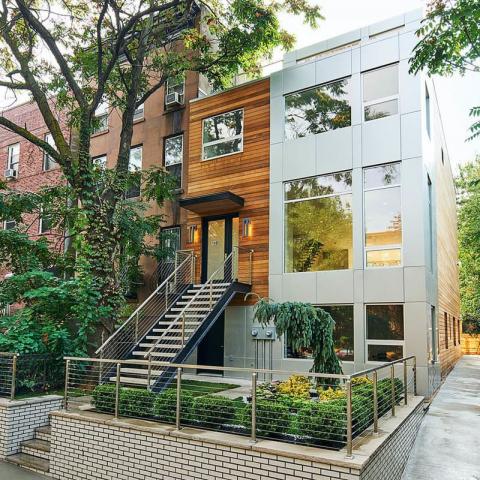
x: 245, y: 174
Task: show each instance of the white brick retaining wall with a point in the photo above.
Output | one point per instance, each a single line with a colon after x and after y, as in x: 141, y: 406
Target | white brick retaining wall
x: 94, y: 446
x: 19, y: 418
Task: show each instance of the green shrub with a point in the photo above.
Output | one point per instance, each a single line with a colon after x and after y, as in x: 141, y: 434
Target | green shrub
x: 384, y: 389
x: 323, y: 421
x: 272, y: 417
x: 165, y: 406
x: 135, y: 402
x: 104, y: 398
x: 212, y: 410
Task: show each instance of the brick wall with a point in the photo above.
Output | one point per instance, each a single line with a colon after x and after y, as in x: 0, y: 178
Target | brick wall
x: 96, y: 447
x: 19, y: 418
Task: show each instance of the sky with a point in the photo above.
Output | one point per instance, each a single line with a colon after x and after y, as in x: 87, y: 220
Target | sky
x: 456, y: 95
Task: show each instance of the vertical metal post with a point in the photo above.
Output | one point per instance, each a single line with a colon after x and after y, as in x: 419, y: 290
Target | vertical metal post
x: 67, y: 380
x: 405, y: 384
x: 392, y: 381
x: 349, y: 418
x: 100, y: 365
x: 375, y: 402
x: 253, y: 434
x: 192, y: 268
x: 250, y: 274
x: 136, y: 327
x: 117, y: 390
x: 183, y: 329
x: 149, y: 372
x: 179, y: 398
x: 14, y: 376
x: 415, y: 376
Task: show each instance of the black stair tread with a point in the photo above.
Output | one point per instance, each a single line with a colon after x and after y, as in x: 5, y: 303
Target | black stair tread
x: 47, y: 429
x: 37, y: 444
x: 29, y: 461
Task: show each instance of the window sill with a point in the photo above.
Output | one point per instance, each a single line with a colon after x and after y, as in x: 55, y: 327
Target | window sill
x: 221, y: 156
x: 98, y: 134
x: 139, y: 120
x: 167, y: 110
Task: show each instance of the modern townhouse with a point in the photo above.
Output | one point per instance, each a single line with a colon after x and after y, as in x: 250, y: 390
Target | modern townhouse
x: 361, y: 216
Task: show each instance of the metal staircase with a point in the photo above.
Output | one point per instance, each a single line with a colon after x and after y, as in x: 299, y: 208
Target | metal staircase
x: 169, y: 329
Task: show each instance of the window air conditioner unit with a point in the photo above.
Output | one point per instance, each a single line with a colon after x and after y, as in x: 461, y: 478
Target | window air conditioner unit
x: 173, y: 99
x: 10, y: 173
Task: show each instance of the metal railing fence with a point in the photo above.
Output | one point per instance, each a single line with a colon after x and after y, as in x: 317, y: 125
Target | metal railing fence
x: 29, y: 373
x: 329, y: 411
x: 142, y: 320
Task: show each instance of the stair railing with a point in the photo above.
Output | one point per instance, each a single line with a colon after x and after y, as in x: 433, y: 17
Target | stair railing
x: 168, y: 340
x: 144, y: 318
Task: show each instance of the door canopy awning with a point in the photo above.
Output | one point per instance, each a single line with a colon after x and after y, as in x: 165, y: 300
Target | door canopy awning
x: 213, y: 203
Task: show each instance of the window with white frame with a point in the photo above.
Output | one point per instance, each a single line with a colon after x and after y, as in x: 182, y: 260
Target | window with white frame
x: 380, y: 92
x: 384, y: 332
x: 134, y: 166
x: 382, y: 215
x: 222, y: 134
x: 9, y: 224
x: 48, y: 161
x: 100, y: 161
x: 139, y: 112
x: 13, y: 157
x: 45, y: 223
x: 101, y: 118
x: 175, y: 85
x: 173, y: 154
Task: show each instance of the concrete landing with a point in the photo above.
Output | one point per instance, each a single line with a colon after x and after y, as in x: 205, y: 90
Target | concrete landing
x: 448, y: 443
x: 12, y: 472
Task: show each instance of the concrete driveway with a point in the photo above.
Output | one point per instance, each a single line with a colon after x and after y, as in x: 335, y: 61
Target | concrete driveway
x: 12, y: 472
x: 448, y: 443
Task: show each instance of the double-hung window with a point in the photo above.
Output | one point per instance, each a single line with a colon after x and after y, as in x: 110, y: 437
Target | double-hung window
x: 13, y: 157
x: 134, y: 167
x: 222, y: 134
x: 385, y: 332
x: 9, y: 224
x: 380, y: 92
x: 318, y: 223
x: 45, y: 222
x: 100, y: 161
x: 175, y: 90
x: 382, y: 215
x: 173, y: 154
x: 101, y: 118
x: 318, y: 109
x: 48, y: 161
x: 139, y: 112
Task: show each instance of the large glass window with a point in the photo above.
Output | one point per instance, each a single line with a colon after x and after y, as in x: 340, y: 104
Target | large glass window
x: 174, y: 157
x: 13, y: 158
x: 48, y: 161
x: 380, y: 92
x: 342, y: 334
x: 385, y: 333
x: 318, y: 223
x: 383, y: 218
x: 223, y: 134
x: 319, y: 109
x: 135, y: 165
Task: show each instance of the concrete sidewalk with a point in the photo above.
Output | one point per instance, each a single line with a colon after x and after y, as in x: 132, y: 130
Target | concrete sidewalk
x: 448, y: 443
x: 12, y: 472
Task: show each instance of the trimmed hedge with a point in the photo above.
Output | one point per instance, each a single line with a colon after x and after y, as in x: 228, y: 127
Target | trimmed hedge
x: 104, y: 398
x: 273, y: 418
x: 165, y: 406
x: 212, y: 410
x: 134, y: 402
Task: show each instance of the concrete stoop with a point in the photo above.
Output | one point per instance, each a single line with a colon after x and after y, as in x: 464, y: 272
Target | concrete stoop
x: 35, y: 453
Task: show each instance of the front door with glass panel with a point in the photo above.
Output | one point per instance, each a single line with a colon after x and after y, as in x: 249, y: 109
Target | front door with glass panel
x: 220, y: 238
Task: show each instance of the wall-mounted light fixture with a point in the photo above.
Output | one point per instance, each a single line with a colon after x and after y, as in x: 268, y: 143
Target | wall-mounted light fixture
x: 246, y: 227
x: 192, y: 229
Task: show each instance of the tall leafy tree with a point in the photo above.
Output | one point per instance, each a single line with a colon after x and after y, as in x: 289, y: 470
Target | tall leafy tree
x: 450, y: 43
x: 468, y: 184
x: 84, y: 52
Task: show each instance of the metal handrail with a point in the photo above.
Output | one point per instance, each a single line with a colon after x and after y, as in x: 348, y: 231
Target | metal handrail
x: 182, y: 313
x: 137, y: 310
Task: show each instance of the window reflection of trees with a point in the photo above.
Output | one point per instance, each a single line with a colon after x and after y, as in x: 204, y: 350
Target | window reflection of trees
x: 225, y: 127
x: 318, y: 109
x: 319, y: 186
x: 385, y: 322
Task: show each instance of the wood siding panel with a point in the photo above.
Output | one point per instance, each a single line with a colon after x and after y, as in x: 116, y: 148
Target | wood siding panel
x: 245, y: 174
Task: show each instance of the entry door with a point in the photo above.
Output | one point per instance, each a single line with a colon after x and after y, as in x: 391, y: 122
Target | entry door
x: 220, y: 236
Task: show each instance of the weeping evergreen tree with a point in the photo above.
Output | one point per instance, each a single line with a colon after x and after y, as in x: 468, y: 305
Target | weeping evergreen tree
x: 306, y: 327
